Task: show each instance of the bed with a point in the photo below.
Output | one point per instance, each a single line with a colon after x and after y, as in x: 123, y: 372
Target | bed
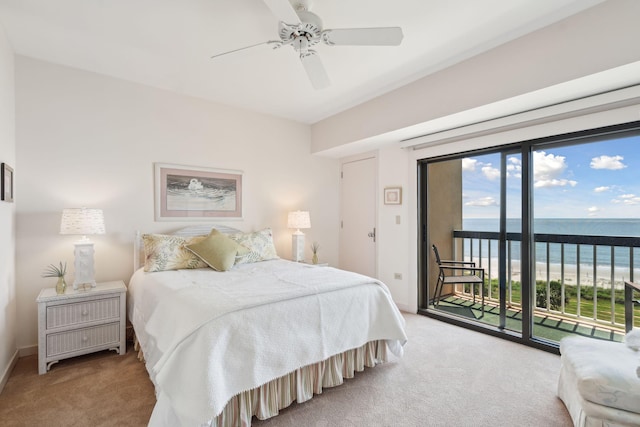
x: 224, y: 346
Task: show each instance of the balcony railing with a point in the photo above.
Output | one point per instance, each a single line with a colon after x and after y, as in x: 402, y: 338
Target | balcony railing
x: 579, y: 277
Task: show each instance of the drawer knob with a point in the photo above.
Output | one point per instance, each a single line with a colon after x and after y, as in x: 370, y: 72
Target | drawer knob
x: 85, y: 312
x: 85, y: 338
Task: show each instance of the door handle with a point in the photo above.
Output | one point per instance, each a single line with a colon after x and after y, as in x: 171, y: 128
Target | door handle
x: 372, y: 234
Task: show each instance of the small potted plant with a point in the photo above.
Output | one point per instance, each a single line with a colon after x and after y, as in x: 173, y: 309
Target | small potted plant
x: 59, y: 272
x: 315, y: 246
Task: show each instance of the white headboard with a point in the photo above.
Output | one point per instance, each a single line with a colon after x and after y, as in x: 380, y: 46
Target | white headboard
x: 192, y: 230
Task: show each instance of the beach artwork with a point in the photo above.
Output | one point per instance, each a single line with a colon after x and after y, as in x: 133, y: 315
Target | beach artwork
x: 184, y: 192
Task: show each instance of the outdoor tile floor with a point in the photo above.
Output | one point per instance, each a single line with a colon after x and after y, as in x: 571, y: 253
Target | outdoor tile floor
x: 549, y: 326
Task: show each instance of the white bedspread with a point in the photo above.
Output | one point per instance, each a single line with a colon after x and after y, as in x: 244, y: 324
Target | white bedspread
x: 208, y: 336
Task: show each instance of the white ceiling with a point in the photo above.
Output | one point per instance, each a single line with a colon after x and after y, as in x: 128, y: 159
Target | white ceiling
x: 168, y: 44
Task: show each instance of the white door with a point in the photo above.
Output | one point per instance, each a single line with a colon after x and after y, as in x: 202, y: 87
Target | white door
x: 357, y: 232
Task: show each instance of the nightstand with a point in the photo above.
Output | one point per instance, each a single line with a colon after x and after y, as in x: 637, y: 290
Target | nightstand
x: 80, y: 322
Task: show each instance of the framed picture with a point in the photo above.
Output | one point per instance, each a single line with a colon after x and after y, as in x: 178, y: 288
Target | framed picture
x: 6, y: 183
x: 196, y: 193
x: 393, y: 196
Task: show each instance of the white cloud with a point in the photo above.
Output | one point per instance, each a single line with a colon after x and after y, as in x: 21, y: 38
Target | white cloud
x: 627, y: 199
x: 483, y: 202
x: 469, y: 165
x: 608, y: 162
x: 601, y: 189
x: 630, y: 199
x: 546, y: 183
x: 514, y: 168
x: 490, y: 172
x: 547, y: 170
x: 593, y: 211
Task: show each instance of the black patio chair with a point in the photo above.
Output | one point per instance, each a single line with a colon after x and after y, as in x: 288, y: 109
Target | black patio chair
x: 458, y: 273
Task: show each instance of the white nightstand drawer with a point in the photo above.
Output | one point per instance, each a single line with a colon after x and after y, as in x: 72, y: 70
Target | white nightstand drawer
x: 67, y: 342
x: 88, y: 311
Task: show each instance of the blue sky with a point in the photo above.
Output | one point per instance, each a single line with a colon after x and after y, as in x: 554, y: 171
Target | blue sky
x: 594, y: 180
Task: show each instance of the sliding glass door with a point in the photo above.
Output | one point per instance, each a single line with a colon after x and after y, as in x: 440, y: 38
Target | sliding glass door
x: 554, y: 226
x: 473, y: 202
x: 586, y: 204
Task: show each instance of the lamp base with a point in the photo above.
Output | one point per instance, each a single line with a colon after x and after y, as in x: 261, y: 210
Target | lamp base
x: 297, y: 247
x: 84, y: 264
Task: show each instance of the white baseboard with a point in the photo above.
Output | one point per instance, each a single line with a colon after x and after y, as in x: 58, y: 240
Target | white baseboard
x: 7, y: 372
x: 27, y: 351
x: 406, y: 308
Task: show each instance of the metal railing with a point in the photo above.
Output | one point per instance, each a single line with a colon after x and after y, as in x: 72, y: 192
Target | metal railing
x: 577, y: 276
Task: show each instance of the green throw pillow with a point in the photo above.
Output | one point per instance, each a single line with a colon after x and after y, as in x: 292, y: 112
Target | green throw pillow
x: 217, y: 250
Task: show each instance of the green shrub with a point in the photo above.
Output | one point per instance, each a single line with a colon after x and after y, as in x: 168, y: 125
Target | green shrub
x: 555, y: 297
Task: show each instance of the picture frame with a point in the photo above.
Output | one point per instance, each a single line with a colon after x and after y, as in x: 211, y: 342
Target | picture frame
x: 6, y: 183
x: 196, y: 193
x: 393, y: 196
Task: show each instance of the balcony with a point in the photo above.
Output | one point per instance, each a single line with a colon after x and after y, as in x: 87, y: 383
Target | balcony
x: 580, y: 283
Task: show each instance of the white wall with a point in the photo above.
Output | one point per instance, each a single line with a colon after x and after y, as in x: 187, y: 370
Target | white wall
x: 8, y: 346
x: 598, y: 39
x: 88, y: 140
x: 393, y: 250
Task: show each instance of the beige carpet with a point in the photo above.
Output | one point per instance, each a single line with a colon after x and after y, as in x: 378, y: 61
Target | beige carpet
x: 448, y: 376
x: 101, y: 389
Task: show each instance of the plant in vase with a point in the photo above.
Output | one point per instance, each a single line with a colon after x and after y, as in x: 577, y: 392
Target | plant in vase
x: 315, y: 246
x: 59, y: 272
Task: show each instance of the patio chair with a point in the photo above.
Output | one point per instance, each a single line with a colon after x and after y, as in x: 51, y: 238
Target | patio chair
x: 458, y: 273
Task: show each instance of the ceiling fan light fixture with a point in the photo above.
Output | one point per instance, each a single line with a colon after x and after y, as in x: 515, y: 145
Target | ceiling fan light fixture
x: 310, y: 26
x: 301, y: 44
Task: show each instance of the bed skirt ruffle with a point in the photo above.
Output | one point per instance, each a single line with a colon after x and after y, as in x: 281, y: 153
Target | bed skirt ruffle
x: 300, y: 385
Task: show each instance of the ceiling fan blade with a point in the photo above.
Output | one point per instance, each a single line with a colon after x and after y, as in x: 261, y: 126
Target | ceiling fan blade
x: 243, y: 48
x: 386, y: 36
x: 283, y: 10
x: 315, y: 70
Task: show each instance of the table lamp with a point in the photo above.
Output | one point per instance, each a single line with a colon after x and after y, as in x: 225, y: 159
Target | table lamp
x: 298, y: 220
x: 83, y: 221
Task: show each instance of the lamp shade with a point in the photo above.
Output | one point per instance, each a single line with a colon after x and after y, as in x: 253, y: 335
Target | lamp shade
x: 82, y: 221
x: 299, y: 219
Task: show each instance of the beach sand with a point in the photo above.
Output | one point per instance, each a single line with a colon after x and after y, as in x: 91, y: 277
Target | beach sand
x: 602, y: 274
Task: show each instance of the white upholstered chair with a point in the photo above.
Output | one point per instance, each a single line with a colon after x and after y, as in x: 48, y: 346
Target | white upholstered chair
x: 599, y: 382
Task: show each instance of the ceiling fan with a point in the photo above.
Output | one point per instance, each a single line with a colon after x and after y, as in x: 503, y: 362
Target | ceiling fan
x: 302, y: 29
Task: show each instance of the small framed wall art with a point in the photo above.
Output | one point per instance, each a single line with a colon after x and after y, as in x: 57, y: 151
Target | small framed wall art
x: 393, y: 196
x: 196, y: 193
x: 6, y: 183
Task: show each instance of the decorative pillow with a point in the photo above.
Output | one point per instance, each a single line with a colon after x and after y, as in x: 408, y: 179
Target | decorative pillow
x: 632, y: 339
x: 163, y: 252
x: 260, y: 244
x: 218, y: 250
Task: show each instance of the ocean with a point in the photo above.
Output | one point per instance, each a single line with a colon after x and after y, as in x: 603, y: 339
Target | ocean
x: 619, y: 227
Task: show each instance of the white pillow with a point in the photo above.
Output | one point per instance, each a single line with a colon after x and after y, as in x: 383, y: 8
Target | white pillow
x: 632, y: 339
